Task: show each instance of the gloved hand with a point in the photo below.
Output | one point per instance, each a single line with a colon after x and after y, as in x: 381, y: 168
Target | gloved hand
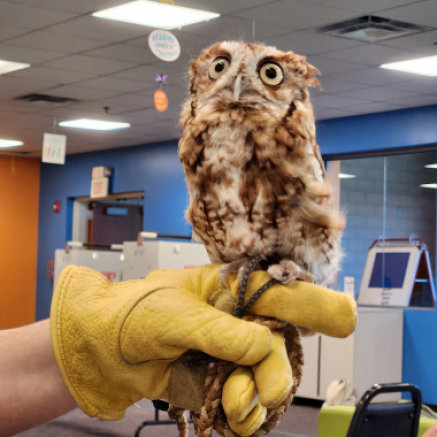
x: 117, y: 343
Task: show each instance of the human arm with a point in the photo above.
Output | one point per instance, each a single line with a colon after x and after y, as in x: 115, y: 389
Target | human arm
x: 31, y: 387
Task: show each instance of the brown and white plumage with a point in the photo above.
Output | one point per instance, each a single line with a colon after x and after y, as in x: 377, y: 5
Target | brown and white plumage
x: 255, y: 176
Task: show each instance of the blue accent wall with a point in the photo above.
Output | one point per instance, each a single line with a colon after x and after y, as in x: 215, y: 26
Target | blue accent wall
x: 156, y: 169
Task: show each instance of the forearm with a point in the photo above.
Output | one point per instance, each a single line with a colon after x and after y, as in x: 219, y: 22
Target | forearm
x: 31, y: 388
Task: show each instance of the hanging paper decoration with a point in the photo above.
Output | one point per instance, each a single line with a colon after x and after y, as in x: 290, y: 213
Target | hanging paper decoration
x: 161, y: 78
x: 161, y: 101
x: 164, y: 45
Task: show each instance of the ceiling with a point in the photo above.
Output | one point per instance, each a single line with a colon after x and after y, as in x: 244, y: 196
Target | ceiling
x: 105, y: 63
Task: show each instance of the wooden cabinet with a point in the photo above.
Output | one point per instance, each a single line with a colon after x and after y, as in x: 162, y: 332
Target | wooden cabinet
x: 372, y: 354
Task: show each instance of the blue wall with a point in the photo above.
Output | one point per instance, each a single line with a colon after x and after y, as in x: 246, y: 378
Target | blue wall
x: 156, y: 170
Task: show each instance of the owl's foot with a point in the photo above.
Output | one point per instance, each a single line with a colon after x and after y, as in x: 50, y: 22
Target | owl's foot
x: 234, y: 266
x: 288, y: 271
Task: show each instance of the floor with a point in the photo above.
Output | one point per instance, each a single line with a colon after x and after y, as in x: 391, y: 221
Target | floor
x: 299, y: 421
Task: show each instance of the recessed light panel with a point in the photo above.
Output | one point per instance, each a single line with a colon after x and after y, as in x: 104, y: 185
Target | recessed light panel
x: 431, y: 166
x: 9, y: 67
x: 88, y: 123
x: 10, y: 143
x: 346, y: 176
x: 434, y: 186
x: 154, y: 14
x: 423, y: 66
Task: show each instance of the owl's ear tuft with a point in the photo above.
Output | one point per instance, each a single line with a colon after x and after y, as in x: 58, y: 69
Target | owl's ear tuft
x: 310, y: 76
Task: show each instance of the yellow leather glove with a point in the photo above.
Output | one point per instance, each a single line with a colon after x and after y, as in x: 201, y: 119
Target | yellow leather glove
x: 117, y: 343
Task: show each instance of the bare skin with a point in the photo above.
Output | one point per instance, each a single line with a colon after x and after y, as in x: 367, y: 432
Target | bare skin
x: 31, y: 388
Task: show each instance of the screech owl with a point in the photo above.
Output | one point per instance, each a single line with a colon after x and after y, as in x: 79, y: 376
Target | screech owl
x: 256, y: 180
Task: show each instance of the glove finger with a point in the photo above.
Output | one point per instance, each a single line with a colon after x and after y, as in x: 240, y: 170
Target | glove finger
x: 273, y: 375
x: 241, y: 403
x: 175, y: 320
x: 310, y: 306
x: 239, y: 394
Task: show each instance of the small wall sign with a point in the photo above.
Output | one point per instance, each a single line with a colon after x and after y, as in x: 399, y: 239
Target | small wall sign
x: 54, y: 148
x: 164, y: 45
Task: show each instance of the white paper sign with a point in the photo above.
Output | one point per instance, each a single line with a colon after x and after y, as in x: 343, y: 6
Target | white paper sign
x: 164, y: 45
x: 349, y: 286
x: 53, y: 148
x: 99, y: 187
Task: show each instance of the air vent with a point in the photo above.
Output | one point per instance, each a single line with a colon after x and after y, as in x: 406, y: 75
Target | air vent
x: 371, y: 29
x: 46, y: 100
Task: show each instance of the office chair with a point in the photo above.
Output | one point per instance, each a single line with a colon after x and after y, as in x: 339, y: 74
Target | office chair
x: 388, y: 419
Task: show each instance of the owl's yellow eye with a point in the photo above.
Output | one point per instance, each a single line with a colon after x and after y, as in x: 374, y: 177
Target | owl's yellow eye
x: 218, y: 67
x: 271, y: 73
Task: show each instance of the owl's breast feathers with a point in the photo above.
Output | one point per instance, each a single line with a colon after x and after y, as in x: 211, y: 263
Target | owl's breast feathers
x: 257, y: 188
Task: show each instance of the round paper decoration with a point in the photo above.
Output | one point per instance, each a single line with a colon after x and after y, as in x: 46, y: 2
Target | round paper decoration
x: 160, y: 100
x: 164, y: 45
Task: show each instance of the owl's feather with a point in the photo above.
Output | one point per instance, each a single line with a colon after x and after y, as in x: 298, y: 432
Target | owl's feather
x: 255, y: 175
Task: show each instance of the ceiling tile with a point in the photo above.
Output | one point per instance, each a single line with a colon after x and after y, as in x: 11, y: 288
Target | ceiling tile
x: 417, y: 101
x: 226, y: 28
x: 417, y: 84
x: 222, y: 6
x: 326, y: 113
x: 75, y: 6
x: 310, y: 43
x: 90, y: 65
x: 147, y: 73
x: 331, y: 66
x: 11, y: 87
x: 56, y: 77
x: 116, y: 84
x: 24, y: 54
x: 123, y: 103
x: 373, y: 76
x: 100, y: 29
x: 374, y: 107
x: 373, y: 54
x: 148, y: 115
x: 124, y: 52
x: 10, y: 32
x: 80, y: 93
x: 335, y: 101
x: 332, y: 85
x: 29, y: 17
x: 364, y: 6
x: 422, y: 42
x: 421, y: 12
x: 378, y: 94
x: 296, y: 14
x: 58, y: 43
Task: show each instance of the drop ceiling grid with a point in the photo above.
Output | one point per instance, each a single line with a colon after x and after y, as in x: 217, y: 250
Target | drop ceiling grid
x: 106, y: 63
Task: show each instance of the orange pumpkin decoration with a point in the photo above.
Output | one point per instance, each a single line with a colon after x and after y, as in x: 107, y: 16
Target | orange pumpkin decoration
x: 161, y: 101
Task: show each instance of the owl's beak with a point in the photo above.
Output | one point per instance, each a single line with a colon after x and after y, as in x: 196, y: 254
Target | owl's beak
x: 237, y: 87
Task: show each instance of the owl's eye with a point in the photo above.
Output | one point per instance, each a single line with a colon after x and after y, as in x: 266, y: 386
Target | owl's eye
x: 271, y: 73
x: 218, y: 68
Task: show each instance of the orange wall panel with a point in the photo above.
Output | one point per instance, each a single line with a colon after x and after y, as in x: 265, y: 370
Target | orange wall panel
x: 19, y: 198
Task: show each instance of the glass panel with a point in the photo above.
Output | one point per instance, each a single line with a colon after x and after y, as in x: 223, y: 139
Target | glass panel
x: 391, y: 197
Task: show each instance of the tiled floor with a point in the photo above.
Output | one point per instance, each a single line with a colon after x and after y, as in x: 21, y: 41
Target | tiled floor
x: 299, y: 421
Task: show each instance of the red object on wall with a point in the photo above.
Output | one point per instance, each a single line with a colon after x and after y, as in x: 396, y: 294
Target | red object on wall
x: 50, y: 268
x: 57, y: 206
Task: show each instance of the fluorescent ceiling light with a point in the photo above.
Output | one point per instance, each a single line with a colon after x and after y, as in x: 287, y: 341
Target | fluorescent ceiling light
x: 346, y: 176
x: 431, y: 166
x: 154, y: 14
x: 9, y: 67
x: 88, y: 123
x: 424, y: 66
x: 429, y: 186
x: 10, y: 143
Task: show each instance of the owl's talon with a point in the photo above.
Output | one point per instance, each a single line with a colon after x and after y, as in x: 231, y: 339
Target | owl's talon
x: 234, y: 266
x: 285, y: 272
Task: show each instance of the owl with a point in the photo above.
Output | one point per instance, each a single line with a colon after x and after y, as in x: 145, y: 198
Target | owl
x: 257, y: 184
